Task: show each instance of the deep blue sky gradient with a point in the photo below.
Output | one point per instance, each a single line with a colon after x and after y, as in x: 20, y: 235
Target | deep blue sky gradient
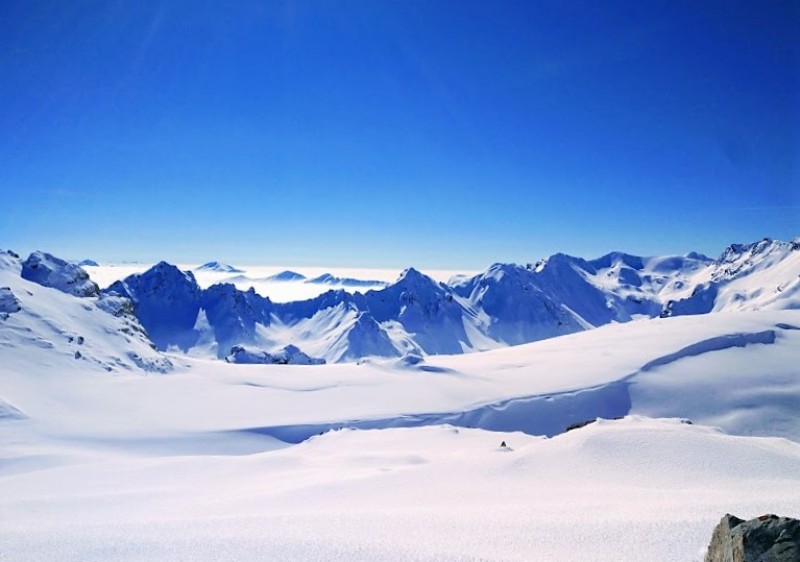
x: 377, y: 133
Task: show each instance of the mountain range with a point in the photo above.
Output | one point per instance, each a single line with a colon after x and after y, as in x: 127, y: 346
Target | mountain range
x: 505, y: 305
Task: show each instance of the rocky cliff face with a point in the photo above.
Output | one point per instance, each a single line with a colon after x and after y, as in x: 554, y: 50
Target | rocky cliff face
x: 768, y: 538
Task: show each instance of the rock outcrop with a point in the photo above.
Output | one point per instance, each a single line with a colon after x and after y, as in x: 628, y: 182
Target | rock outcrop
x: 8, y: 302
x: 50, y: 271
x: 289, y: 355
x: 768, y: 538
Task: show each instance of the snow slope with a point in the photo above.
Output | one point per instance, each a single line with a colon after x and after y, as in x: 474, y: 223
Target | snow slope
x: 628, y: 490
x: 216, y: 461
x: 55, y: 330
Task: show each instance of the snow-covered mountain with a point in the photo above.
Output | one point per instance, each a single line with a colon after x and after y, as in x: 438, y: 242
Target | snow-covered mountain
x: 765, y: 274
x: 330, y: 279
x: 54, y: 317
x: 218, y: 267
x: 166, y: 300
x: 507, y: 304
x: 222, y: 460
x: 286, y: 276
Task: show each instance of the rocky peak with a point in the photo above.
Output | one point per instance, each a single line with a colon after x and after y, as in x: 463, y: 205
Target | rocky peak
x: 50, y: 271
x: 166, y: 301
x: 411, y: 278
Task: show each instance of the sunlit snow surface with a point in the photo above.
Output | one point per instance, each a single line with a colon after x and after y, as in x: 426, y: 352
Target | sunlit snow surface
x: 130, y: 465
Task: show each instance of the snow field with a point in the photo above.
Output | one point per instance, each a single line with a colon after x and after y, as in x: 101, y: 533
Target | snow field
x: 631, y: 489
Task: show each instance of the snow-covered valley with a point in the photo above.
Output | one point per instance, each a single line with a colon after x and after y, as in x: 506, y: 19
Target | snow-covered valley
x: 115, y: 449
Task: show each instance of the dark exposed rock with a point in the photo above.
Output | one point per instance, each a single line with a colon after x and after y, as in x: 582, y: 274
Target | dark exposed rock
x: 580, y: 424
x: 767, y: 538
x: 584, y: 423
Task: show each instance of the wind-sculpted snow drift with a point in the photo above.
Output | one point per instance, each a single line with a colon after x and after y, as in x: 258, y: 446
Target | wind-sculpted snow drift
x: 506, y: 305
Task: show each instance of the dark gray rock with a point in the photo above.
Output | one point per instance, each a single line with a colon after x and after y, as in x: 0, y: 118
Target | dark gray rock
x: 767, y: 538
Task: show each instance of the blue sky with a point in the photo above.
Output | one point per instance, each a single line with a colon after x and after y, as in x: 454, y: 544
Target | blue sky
x: 387, y: 134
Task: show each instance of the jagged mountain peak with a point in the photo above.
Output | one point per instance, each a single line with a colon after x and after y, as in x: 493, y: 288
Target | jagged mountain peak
x: 166, y: 301
x: 560, y: 263
x: 412, y: 275
x: 735, y: 251
x: 166, y: 268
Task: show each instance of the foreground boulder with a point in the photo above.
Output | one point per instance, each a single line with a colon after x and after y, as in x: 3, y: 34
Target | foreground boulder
x: 768, y: 538
x: 50, y: 271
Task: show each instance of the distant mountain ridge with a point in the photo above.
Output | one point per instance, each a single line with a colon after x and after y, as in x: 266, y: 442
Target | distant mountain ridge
x: 218, y: 267
x: 330, y: 279
x: 507, y: 304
